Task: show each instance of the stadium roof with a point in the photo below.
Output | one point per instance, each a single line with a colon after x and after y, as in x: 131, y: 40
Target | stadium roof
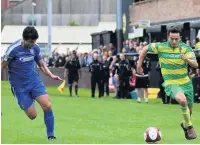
x: 60, y: 34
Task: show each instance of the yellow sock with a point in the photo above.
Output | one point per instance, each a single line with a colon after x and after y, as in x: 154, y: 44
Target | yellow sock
x: 186, y: 116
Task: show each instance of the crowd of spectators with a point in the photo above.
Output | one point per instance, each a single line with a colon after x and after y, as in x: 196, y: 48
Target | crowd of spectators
x: 85, y: 58
x: 129, y: 46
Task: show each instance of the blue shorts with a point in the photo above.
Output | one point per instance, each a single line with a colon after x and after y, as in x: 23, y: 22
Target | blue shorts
x: 26, y: 96
x: 114, y: 82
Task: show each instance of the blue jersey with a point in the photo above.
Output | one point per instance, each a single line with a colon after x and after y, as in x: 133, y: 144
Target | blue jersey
x: 21, y: 64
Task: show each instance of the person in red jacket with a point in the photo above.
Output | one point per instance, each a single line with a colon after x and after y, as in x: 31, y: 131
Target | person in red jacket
x: 132, y: 81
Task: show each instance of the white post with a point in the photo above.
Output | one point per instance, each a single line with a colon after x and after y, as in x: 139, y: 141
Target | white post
x: 49, y: 20
x: 33, y: 5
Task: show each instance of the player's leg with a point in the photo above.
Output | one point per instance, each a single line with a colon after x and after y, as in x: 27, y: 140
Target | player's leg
x: 76, y: 78
x: 181, y: 99
x: 45, y: 104
x: 178, y: 92
x: 39, y: 93
x: 187, y: 124
x: 93, y: 86
x: 190, y: 108
x: 25, y: 102
x: 146, y: 94
x: 115, y: 87
x: 189, y: 92
x: 76, y: 88
x: 146, y: 85
x: 107, y: 86
x: 138, y: 86
x: 70, y: 82
x: 100, y: 87
x: 138, y: 95
x: 31, y: 112
x: 124, y: 89
x: 127, y: 88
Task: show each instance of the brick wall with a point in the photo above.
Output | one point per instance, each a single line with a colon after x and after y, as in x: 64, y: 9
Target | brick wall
x: 84, y: 82
x: 4, y: 4
x: 164, y: 10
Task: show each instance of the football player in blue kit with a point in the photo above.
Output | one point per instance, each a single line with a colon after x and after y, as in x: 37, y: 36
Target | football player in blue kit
x: 26, y: 85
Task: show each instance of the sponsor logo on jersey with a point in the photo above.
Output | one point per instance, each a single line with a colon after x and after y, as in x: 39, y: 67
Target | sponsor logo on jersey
x: 25, y: 59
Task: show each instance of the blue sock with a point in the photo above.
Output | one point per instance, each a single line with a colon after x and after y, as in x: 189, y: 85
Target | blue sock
x: 49, y: 122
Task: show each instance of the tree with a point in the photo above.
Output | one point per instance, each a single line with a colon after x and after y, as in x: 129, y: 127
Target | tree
x: 73, y: 23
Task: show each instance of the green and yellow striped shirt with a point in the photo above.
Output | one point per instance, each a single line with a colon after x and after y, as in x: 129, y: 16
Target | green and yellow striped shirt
x: 174, y: 69
x: 197, y: 45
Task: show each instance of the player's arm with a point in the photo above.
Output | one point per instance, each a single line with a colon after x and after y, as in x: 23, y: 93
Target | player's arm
x: 46, y: 70
x: 3, y: 64
x: 8, y: 56
x: 42, y: 65
x: 152, y: 47
x: 190, y: 58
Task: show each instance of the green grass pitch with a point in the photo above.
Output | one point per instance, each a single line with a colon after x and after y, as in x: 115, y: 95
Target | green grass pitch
x: 98, y: 121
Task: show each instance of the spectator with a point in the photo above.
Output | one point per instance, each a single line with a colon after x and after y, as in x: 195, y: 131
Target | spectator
x: 104, y: 51
x: 126, y: 45
x: 51, y: 62
x: 89, y: 59
x: 85, y: 57
x: 96, y: 51
x: 124, y: 50
x: 145, y: 43
x: 113, y: 49
x: 99, y: 58
x: 110, y: 57
x: 81, y: 59
x: 132, y: 81
x: 101, y: 48
x: 197, y: 45
x: 188, y: 43
x: 140, y: 47
x: 60, y: 62
x: 131, y: 48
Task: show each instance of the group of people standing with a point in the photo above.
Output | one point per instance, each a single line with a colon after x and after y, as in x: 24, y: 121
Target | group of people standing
x: 121, y: 70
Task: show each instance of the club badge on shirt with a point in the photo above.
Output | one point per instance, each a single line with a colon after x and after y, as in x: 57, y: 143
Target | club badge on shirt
x: 32, y: 51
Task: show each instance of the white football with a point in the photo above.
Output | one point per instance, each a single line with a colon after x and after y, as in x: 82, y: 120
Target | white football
x: 152, y: 135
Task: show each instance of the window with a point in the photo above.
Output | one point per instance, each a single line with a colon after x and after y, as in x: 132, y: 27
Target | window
x: 136, y: 1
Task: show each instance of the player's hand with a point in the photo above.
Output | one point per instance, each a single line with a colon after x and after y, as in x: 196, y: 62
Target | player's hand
x: 56, y: 78
x: 139, y: 70
x: 183, y: 57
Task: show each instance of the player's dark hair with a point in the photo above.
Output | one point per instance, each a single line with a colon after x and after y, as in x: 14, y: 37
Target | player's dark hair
x: 30, y: 33
x: 174, y: 29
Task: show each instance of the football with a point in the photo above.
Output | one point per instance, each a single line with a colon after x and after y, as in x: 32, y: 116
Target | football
x: 152, y: 135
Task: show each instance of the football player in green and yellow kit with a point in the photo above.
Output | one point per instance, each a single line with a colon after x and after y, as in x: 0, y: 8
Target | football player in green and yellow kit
x: 174, y: 57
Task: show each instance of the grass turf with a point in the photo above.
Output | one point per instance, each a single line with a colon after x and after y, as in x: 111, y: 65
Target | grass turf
x: 85, y: 120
